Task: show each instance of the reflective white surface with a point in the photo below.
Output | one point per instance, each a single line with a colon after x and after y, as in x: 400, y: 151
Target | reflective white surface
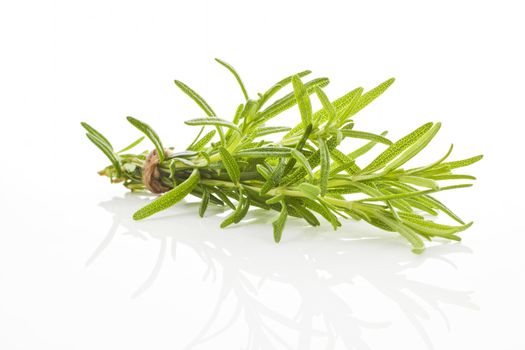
x: 178, y: 281
x: 77, y: 273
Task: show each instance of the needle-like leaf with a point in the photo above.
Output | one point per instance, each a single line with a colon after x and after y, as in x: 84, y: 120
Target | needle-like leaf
x: 289, y: 100
x: 303, y: 100
x: 371, y: 95
x: 270, y: 130
x: 327, y: 106
x: 299, y: 157
x: 325, y: 165
x: 150, y: 133
x: 414, y: 149
x: 97, y: 134
x: 279, y: 85
x: 279, y: 222
x: 231, y: 165
x: 204, y: 202
x: 236, y: 75
x: 211, y: 121
x: 196, y: 97
x: 108, y: 152
x: 131, y: 145
x: 169, y: 198
x: 264, y: 152
x: 366, y: 136
x: 396, y: 148
x: 197, y: 146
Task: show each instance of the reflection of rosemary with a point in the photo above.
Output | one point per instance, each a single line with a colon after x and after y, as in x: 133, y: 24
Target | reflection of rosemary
x: 303, y: 175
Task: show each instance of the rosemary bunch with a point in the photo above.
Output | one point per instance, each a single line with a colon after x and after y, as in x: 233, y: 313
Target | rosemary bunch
x: 304, y: 175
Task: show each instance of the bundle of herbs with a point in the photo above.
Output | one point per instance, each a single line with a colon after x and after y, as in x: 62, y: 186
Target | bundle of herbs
x: 304, y: 175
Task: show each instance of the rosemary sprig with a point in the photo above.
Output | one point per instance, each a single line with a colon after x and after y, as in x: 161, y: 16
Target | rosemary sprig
x: 305, y: 175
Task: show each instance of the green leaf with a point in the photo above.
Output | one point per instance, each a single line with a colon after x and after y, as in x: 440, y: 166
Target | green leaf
x: 307, y: 215
x: 298, y: 147
x: 303, y: 100
x: 366, y: 136
x: 151, y: 134
x: 236, y: 75
x: 321, y: 115
x: 169, y: 198
x: 204, y: 202
x: 438, y: 205
x: 222, y: 195
x: 199, y: 145
x: 349, y: 164
x: 348, y: 167
x: 248, y: 111
x: 279, y: 222
x: 327, y: 105
x: 270, y: 130
x: 279, y: 85
x: 264, y: 152
x: 324, y: 211
x: 94, y: 132
x: 231, y: 165
x: 343, y: 106
x: 211, y: 121
x: 133, y: 144
x: 396, y: 148
x: 314, y: 159
x: 278, y: 172
x: 299, y: 157
x: 325, y: 165
x: 414, y: 149
x: 275, y: 199
x: 183, y: 154
x: 419, y: 181
x: 196, y: 97
x: 239, y: 213
x: 452, y: 177
x: 289, y: 100
x: 244, y: 210
x: 364, y: 149
x: 427, y: 200
x: 238, y: 113
x: 370, y: 96
x: 411, y: 194
x: 311, y: 191
x: 432, y: 228
x: 432, y: 166
x: 113, y: 158
x: 417, y: 244
x: 265, y: 173
x: 463, y: 162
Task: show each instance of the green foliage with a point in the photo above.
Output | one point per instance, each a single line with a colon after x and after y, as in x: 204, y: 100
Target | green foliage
x: 150, y: 134
x: 196, y: 97
x: 132, y: 145
x: 200, y: 144
x: 305, y: 174
x: 303, y: 100
x: 231, y: 165
x: 211, y: 121
x: 236, y: 75
x: 279, y: 222
x: 325, y: 164
x: 169, y: 198
x: 113, y: 158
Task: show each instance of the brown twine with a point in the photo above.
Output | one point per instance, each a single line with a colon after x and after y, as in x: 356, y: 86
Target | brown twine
x: 151, y: 174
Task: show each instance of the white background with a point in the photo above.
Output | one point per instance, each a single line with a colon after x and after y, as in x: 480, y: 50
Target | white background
x: 77, y: 273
